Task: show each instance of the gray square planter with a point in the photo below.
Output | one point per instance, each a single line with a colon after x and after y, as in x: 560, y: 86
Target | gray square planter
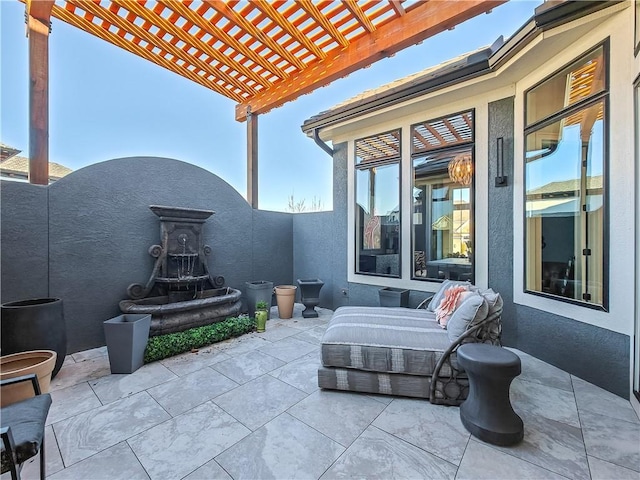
x: 127, y: 337
x: 259, y: 291
x: 394, y: 297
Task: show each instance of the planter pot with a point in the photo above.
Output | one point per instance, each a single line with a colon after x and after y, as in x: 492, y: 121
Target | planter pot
x: 260, y: 291
x: 261, y: 320
x: 127, y: 336
x: 394, y: 297
x: 285, y: 296
x: 40, y: 362
x: 34, y: 324
x: 310, y: 296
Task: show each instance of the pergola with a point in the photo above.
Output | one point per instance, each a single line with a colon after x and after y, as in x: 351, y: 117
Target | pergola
x: 259, y: 53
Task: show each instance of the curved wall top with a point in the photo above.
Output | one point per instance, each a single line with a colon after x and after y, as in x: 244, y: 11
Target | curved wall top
x: 99, y: 229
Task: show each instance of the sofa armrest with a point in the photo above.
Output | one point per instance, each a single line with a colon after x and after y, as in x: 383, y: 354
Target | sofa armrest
x: 424, y: 303
x: 487, y: 331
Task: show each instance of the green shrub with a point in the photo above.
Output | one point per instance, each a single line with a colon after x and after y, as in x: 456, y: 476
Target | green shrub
x: 171, y: 344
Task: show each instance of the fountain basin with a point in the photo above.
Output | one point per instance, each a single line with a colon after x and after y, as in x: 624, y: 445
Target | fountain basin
x: 183, y: 311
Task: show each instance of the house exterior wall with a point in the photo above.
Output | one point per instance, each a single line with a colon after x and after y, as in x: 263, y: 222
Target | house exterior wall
x: 533, y: 330
x: 592, y: 344
x: 100, y: 228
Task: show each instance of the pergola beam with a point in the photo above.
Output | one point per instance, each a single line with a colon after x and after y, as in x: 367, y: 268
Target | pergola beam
x: 423, y: 21
x: 252, y: 160
x: 38, y: 16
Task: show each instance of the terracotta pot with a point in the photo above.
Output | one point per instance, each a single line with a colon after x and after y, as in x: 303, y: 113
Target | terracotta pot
x: 285, y: 296
x: 40, y: 362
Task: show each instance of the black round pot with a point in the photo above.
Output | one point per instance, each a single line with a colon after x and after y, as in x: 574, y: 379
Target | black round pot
x: 35, y: 324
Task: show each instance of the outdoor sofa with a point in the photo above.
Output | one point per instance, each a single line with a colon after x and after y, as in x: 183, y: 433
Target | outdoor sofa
x: 407, y: 352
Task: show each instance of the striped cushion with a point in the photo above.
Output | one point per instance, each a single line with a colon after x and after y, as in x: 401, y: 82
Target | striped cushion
x: 382, y: 339
x: 374, y: 382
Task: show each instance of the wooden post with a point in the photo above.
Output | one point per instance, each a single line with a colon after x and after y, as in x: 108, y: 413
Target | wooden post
x: 38, y: 18
x: 252, y: 159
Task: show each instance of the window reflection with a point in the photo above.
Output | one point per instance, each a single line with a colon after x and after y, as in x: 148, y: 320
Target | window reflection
x: 378, y: 204
x: 579, y: 81
x: 442, y: 198
x: 565, y: 206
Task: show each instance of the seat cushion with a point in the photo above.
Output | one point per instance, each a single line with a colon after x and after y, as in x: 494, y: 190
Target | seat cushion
x: 384, y: 339
x: 26, y: 420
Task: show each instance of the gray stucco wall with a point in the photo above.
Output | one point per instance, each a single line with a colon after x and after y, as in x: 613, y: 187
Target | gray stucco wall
x: 338, y: 260
x: 592, y: 353
x: 24, y: 242
x: 272, y: 248
x: 501, y: 216
x: 313, y: 250
x: 100, y: 228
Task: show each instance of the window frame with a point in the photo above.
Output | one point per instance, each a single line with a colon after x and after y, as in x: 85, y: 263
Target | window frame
x: 602, y: 96
x: 471, y: 144
x: 354, y: 200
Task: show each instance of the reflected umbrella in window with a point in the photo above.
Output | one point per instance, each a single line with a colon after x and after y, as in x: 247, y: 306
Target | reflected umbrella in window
x: 461, y: 169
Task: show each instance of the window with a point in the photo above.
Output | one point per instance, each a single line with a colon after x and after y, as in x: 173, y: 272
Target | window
x: 442, y: 220
x: 565, y: 187
x: 377, y: 215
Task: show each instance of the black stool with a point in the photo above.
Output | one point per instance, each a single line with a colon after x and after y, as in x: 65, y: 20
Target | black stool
x: 487, y: 412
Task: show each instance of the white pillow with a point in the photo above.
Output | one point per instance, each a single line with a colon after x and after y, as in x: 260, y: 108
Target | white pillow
x: 474, y: 308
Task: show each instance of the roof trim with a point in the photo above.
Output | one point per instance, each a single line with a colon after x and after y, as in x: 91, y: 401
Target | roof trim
x: 549, y: 15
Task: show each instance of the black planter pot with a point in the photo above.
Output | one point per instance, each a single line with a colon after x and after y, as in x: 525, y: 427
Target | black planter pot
x: 35, y: 324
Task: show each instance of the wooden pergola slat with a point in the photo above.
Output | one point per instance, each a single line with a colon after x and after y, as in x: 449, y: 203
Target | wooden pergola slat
x: 422, y: 21
x: 262, y: 54
x: 258, y: 53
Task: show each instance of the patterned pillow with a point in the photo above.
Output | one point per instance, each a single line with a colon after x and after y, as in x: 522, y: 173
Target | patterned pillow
x: 449, y: 303
x: 439, y: 295
x: 473, y: 308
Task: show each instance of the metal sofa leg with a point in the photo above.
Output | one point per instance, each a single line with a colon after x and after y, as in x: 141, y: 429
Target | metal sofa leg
x: 42, y: 459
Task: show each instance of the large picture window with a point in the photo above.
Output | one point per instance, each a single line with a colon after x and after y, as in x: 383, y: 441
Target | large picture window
x: 377, y: 188
x: 442, y: 220
x: 565, y: 182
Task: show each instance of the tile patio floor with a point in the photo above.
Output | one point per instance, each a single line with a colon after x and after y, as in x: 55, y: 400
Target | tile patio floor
x: 250, y: 408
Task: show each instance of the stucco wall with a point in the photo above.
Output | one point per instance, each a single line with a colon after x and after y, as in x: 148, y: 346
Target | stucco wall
x: 24, y: 244
x: 313, y: 250
x: 100, y: 228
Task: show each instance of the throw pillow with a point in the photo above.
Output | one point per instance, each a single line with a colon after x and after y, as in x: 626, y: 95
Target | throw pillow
x: 439, y: 295
x: 449, y: 304
x: 493, y: 299
x: 474, y: 308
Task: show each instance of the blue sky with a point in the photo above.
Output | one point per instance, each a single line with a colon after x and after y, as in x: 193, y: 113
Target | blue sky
x: 107, y: 103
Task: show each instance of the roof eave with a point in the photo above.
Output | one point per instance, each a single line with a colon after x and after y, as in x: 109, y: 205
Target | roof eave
x: 549, y: 15
x: 477, y: 64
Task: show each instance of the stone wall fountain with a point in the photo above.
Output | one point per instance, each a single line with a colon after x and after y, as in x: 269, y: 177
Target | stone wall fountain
x: 184, y: 294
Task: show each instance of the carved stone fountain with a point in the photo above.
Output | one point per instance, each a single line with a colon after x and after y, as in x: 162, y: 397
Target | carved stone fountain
x: 185, y: 294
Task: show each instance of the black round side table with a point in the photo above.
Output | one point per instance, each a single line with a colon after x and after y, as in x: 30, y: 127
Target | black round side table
x: 487, y: 412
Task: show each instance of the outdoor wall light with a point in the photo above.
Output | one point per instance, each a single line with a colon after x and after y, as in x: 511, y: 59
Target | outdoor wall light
x: 501, y: 178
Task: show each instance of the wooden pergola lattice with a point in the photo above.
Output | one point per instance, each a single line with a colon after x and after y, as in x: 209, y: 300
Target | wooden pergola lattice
x: 259, y: 53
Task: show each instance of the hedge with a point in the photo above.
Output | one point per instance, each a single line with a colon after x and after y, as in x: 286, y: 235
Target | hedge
x: 163, y: 346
